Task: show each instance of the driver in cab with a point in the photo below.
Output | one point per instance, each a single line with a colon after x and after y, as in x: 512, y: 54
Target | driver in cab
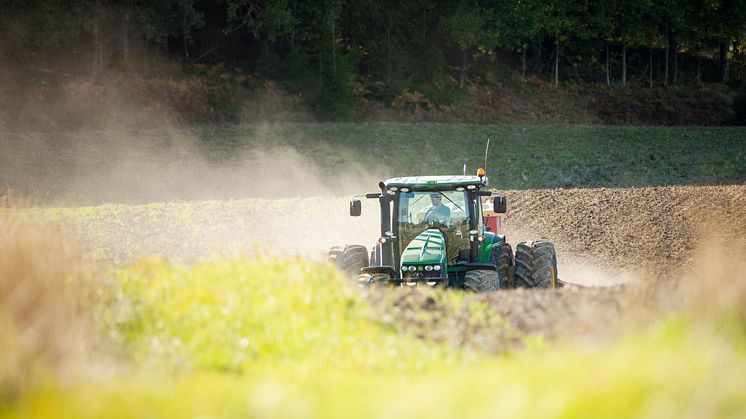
x: 438, y: 213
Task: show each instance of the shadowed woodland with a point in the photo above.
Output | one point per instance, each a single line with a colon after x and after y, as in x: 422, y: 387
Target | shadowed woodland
x: 675, y: 62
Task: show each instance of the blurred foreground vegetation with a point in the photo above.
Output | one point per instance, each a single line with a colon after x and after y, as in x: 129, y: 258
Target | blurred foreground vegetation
x: 289, y: 338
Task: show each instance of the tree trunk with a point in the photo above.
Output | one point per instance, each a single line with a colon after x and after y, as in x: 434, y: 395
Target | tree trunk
x: 624, y: 62
x: 185, y: 39
x: 145, y: 54
x: 97, y: 56
x: 650, y: 72
x: 462, y: 74
x: 185, y: 42
x: 556, y: 63
x: 334, y: 53
x: 424, y: 24
x: 292, y: 30
x: 665, y: 78
x: 126, y: 41
x: 523, y: 76
x: 723, y: 62
x: 699, y: 69
x: 388, y: 49
x: 608, y: 78
x: 675, y: 64
x: 658, y: 70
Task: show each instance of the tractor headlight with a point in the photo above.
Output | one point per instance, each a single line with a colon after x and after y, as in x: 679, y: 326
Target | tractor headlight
x: 412, y: 268
x: 436, y: 267
x: 393, y: 188
x: 460, y: 189
x: 428, y: 268
x: 405, y: 190
x: 470, y: 187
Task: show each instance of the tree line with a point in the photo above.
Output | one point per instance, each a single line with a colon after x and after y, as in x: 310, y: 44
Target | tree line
x: 432, y: 46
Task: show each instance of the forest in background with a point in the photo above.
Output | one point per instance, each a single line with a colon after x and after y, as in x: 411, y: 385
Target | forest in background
x: 670, y: 62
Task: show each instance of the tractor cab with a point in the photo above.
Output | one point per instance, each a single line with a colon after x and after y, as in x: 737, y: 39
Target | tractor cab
x: 445, y: 230
x: 433, y: 229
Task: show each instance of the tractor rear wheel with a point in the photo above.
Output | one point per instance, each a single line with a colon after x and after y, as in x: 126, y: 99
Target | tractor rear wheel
x: 502, y: 257
x: 482, y: 280
x: 536, y: 265
x: 349, y: 259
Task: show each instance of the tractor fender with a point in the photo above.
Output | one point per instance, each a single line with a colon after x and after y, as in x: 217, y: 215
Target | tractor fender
x: 490, y: 240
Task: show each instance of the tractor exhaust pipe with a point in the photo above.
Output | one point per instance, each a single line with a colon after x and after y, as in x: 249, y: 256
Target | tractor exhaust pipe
x: 387, y: 248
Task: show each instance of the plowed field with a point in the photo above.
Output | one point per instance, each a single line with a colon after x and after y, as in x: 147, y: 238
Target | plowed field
x: 646, y: 230
x: 648, y: 239
x: 623, y: 230
x: 605, y: 237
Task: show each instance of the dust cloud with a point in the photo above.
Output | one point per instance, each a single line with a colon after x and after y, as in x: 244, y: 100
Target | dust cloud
x: 155, y: 166
x: 168, y: 193
x: 155, y: 186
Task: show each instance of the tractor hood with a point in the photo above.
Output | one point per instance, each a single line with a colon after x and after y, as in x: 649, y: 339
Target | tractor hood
x: 428, y: 247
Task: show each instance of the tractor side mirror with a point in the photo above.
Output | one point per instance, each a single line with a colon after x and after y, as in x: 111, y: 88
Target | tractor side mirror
x: 355, y: 207
x: 500, y: 204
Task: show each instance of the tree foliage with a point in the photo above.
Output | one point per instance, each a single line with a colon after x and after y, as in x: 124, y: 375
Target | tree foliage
x: 326, y: 48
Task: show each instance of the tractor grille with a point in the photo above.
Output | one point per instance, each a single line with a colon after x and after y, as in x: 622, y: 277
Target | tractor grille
x: 421, y: 275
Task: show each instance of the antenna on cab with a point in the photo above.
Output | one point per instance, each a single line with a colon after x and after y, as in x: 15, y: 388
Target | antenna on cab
x: 487, y: 149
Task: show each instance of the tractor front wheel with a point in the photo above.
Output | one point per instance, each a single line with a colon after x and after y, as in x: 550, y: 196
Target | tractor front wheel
x: 502, y: 257
x: 349, y: 259
x: 482, y: 280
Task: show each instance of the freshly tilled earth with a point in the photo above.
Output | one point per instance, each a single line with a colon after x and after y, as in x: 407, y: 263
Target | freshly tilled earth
x: 604, y: 237
x: 656, y: 234
x: 653, y: 229
x: 508, y: 319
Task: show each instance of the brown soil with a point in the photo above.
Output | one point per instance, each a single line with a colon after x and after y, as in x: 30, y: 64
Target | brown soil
x: 603, y: 237
x: 647, y: 230
x: 650, y: 234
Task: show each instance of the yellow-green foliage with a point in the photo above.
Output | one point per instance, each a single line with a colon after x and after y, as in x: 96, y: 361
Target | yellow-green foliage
x: 289, y: 338
x: 239, y: 315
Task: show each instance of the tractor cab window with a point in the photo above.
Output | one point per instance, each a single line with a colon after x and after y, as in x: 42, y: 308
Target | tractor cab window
x: 447, y: 211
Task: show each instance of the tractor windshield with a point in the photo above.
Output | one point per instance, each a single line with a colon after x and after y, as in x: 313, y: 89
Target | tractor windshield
x: 445, y: 210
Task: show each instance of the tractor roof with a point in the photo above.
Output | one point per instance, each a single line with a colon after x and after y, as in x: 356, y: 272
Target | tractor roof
x: 434, y: 182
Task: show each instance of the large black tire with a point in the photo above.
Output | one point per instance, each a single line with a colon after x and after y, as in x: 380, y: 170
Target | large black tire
x: 502, y: 256
x: 536, y: 265
x: 481, y: 280
x: 349, y: 259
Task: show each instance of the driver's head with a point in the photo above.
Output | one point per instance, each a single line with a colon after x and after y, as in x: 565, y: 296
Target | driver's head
x: 435, y: 198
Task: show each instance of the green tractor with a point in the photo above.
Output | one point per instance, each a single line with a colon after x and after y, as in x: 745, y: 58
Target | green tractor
x: 437, y: 231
